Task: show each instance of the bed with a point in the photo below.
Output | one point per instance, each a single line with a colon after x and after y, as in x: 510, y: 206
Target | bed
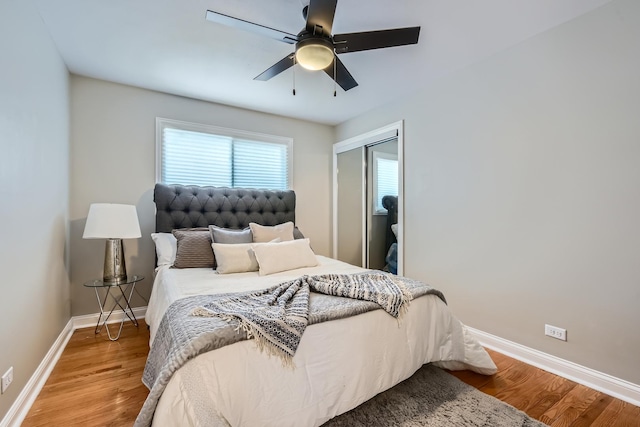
x: 338, y: 364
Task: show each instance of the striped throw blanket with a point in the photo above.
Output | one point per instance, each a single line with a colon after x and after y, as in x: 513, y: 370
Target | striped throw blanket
x: 277, y: 317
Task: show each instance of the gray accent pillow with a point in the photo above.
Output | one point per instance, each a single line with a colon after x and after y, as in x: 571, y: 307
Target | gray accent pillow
x: 193, y: 248
x: 230, y: 236
x: 297, y: 234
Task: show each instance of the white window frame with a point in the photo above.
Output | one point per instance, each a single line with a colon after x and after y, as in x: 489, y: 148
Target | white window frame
x: 161, y: 123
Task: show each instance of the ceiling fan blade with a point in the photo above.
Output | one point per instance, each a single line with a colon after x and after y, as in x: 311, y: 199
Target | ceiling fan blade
x: 344, y: 79
x: 284, y: 64
x: 241, y: 24
x: 320, y: 14
x: 354, y: 42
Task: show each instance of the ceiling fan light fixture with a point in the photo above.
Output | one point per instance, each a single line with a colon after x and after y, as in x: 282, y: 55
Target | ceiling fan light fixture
x: 314, y: 53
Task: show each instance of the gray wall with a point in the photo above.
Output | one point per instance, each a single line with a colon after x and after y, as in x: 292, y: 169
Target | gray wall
x: 522, y: 189
x: 34, y: 189
x: 113, y: 160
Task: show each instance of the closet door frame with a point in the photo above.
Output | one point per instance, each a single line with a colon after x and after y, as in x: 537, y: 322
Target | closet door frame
x: 363, y: 140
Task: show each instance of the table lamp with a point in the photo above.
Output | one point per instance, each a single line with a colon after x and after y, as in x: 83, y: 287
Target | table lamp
x: 113, y: 222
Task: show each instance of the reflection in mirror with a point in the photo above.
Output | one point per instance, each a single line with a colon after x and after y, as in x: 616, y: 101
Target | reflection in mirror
x: 382, y: 196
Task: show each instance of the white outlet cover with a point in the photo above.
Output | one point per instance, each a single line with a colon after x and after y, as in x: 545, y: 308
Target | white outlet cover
x: 7, y: 379
x: 555, y: 332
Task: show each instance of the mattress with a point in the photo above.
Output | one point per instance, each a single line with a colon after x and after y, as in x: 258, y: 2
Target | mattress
x: 338, y: 364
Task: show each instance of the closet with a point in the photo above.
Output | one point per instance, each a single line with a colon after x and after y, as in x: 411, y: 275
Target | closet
x: 367, y: 220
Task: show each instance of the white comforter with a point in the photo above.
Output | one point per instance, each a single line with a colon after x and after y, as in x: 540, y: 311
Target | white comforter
x: 339, y: 364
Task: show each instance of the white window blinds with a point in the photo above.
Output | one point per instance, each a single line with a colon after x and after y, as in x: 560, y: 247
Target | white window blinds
x: 259, y: 165
x: 192, y: 154
x: 195, y: 158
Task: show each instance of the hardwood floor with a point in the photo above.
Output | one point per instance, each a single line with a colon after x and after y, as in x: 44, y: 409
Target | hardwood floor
x: 549, y: 398
x: 97, y: 383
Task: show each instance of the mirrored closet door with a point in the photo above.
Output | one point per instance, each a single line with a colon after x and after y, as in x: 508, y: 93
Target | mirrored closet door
x: 367, y: 200
x: 351, y: 195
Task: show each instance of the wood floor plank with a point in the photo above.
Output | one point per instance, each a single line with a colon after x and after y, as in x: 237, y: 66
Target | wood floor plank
x: 619, y: 414
x: 570, y: 407
x: 97, y: 382
x: 535, y: 391
x: 588, y: 417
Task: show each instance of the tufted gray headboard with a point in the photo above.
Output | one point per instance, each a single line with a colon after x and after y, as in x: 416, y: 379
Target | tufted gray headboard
x: 179, y: 206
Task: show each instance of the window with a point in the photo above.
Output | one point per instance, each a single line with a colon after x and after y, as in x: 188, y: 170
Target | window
x: 385, y: 179
x: 195, y: 154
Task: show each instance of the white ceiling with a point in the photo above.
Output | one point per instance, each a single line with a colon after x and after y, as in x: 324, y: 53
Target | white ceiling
x: 168, y: 46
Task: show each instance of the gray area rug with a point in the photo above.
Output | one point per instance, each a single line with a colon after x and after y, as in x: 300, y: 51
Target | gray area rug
x: 432, y: 397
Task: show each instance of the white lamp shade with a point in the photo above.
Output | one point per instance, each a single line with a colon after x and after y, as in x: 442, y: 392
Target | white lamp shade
x: 112, y: 221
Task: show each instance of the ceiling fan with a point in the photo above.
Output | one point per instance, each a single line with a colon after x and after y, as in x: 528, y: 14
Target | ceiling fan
x: 316, y: 47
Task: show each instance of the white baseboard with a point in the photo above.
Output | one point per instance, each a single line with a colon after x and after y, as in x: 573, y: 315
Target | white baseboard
x: 20, y: 408
x: 18, y: 411
x: 89, y: 320
x: 605, y: 383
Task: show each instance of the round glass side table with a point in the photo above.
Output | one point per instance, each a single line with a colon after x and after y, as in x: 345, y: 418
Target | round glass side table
x: 122, y: 300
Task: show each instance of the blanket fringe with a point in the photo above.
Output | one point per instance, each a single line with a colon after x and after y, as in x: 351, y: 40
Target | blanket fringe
x: 407, y: 297
x: 268, y: 347
x: 262, y: 342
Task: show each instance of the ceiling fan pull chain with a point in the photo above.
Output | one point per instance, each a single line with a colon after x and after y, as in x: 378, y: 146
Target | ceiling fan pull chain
x: 294, y: 75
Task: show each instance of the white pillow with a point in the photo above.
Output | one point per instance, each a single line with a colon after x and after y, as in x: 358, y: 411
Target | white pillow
x: 236, y: 257
x: 166, y: 248
x: 263, y: 233
x: 276, y: 257
x: 394, y: 228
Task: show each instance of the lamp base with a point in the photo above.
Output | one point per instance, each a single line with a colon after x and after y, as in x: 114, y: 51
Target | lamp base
x: 115, y: 270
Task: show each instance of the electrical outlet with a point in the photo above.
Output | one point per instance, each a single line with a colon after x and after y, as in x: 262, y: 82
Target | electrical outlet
x: 555, y: 332
x: 7, y: 379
